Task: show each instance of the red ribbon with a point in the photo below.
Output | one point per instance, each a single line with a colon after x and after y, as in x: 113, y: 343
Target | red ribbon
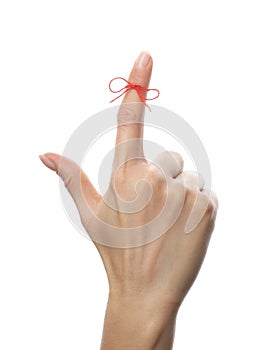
x: 139, y: 89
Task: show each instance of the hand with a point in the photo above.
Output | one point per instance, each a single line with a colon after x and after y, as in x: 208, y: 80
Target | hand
x: 147, y: 282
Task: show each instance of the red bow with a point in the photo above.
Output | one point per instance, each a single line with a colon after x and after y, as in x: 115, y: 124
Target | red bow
x: 139, y: 89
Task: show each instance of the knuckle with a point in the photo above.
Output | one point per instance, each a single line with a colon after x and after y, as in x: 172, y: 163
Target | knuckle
x: 210, y: 208
x: 155, y: 175
x: 212, y: 202
x: 177, y: 156
x: 191, y: 193
x: 191, y: 177
x: 205, y: 202
x: 127, y: 115
x: 68, y: 182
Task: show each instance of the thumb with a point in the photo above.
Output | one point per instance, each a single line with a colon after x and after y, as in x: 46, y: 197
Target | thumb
x: 75, y: 180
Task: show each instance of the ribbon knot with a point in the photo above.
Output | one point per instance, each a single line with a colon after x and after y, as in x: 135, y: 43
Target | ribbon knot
x: 141, y: 91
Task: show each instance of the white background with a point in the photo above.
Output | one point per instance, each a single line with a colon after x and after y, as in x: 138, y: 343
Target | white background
x: 212, y: 64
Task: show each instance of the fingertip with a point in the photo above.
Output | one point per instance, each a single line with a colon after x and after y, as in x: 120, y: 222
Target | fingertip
x: 48, y: 161
x: 144, y: 60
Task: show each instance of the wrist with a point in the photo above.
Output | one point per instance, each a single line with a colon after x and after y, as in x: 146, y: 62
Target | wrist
x: 138, y: 323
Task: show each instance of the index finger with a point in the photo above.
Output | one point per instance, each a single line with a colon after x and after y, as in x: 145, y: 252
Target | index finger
x: 131, y: 112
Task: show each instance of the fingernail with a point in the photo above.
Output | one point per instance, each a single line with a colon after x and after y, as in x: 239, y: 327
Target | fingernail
x: 143, y: 60
x: 48, y: 162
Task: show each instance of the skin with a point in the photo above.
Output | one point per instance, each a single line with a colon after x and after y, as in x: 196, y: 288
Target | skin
x: 147, y: 283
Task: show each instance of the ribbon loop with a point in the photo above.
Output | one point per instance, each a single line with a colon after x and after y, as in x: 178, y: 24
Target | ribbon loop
x: 139, y: 89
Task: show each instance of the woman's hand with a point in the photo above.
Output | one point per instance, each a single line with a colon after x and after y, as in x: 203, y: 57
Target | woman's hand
x: 151, y: 228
